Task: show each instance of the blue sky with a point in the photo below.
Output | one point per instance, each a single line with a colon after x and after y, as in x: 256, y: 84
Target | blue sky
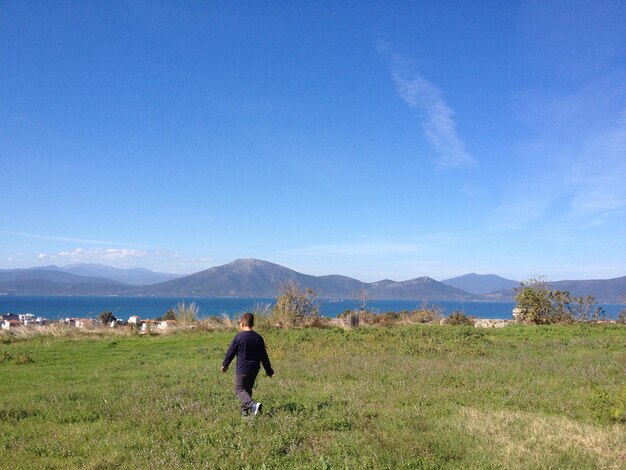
x: 370, y: 139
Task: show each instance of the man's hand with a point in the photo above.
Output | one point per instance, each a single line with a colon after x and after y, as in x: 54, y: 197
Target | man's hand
x: 224, y: 369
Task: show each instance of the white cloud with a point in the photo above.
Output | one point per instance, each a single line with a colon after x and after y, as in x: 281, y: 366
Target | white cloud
x: 69, y: 239
x: 437, y: 117
x: 101, y: 254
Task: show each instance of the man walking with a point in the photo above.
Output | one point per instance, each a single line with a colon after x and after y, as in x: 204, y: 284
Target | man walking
x: 249, y: 348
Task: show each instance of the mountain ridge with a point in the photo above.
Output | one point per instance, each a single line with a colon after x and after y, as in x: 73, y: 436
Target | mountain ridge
x: 133, y: 276
x: 480, y: 284
x: 53, y: 282
x: 258, y: 278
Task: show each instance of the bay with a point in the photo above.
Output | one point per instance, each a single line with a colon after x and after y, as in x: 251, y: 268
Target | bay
x: 58, y: 307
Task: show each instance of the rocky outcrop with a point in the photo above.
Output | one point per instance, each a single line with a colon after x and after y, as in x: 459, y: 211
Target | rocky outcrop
x: 491, y: 323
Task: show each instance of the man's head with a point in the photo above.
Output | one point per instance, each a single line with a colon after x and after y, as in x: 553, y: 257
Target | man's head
x: 247, y: 320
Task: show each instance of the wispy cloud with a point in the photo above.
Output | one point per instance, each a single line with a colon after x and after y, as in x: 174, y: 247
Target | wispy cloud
x: 96, y: 255
x: 71, y: 240
x: 599, y: 175
x: 571, y: 171
x: 437, y: 117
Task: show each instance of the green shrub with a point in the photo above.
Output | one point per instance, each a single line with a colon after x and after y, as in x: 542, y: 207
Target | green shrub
x: 169, y: 315
x: 106, y: 317
x: 459, y: 318
x: 607, y: 407
x: 294, y: 306
x: 5, y: 357
x: 540, y: 305
x: 425, y: 314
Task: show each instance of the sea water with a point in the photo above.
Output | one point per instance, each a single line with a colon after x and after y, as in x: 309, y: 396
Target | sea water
x: 58, y: 307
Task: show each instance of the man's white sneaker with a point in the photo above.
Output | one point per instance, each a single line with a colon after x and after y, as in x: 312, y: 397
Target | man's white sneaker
x: 256, y: 408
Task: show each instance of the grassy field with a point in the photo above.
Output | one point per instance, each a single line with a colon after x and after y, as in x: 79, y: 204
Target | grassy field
x: 399, y: 397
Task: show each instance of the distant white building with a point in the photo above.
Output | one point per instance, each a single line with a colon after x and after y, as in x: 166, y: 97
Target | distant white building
x: 84, y: 323
x: 27, y: 318
x: 165, y: 324
x: 133, y: 320
x: 9, y: 324
x: 148, y: 325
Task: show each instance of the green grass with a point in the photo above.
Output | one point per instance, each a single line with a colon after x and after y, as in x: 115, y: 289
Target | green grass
x: 401, y: 397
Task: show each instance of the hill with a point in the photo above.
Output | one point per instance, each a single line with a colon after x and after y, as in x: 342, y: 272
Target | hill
x: 481, y: 283
x: 610, y: 291
x: 257, y: 278
x: 133, y: 276
x: 51, y: 282
x: 605, y: 291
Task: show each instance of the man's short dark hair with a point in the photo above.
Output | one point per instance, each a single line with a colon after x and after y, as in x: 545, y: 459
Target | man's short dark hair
x: 247, y: 319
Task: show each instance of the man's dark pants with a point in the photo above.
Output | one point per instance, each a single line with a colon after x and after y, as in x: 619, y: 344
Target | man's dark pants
x: 243, y: 389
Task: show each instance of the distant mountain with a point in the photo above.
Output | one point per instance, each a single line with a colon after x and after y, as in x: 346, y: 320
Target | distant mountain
x: 481, y: 283
x: 257, y: 278
x: 605, y: 291
x: 422, y: 288
x: 247, y: 278
x: 53, y: 282
x: 134, y: 276
x: 609, y: 291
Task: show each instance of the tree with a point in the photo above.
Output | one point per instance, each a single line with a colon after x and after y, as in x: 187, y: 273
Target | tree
x: 362, y: 299
x: 106, y: 317
x: 169, y: 315
x: 538, y: 304
x: 532, y: 300
x: 295, y: 305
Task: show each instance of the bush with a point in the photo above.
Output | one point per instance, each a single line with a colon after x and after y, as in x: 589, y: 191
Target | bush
x: 169, y: 315
x: 607, y: 407
x: 425, y: 314
x: 422, y: 314
x: 106, y: 317
x: 295, y: 306
x: 459, y: 318
x: 387, y: 318
x: 186, y: 314
x: 540, y: 305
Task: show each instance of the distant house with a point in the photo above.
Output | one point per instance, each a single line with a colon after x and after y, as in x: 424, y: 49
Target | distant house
x: 165, y: 324
x: 27, y: 318
x: 10, y: 324
x: 147, y: 325
x: 10, y: 316
x: 133, y: 320
x: 84, y: 323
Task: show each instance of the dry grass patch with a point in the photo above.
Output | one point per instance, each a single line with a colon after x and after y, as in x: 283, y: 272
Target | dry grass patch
x: 520, y: 439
